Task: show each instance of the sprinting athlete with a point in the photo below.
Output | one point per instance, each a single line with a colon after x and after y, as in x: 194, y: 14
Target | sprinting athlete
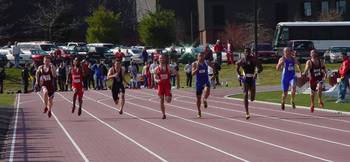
x: 162, y: 77
x: 200, y: 70
x: 316, y: 70
x: 249, y: 64
x: 288, y: 63
x: 116, y: 74
x: 46, y: 74
x: 77, y: 84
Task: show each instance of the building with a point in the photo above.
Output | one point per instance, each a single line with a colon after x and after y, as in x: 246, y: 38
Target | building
x: 214, y: 15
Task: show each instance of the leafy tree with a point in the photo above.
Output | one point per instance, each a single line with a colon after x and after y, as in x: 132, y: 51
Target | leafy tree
x: 103, y: 26
x: 158, y: 29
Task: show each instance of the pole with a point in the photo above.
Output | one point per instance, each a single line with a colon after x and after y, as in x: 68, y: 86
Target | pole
x: 256, y: 26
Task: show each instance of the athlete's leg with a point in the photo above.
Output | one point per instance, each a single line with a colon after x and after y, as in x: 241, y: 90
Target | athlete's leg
x: 46, y: 98
x: 162, y: 106
x: 50, y: 104
x: 206, y: 95
x: 80, y: 98
x: 122, y: 104
x: 75, y: 93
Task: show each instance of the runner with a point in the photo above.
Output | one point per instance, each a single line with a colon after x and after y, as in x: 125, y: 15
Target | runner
x: 162, y: 76
x: 116, y: 73
x: 200, y: 69
x: 249, y: 64
x: 46, y: 74
x: 288, y: 63
x: 77, y: 84
x: 317, y: 74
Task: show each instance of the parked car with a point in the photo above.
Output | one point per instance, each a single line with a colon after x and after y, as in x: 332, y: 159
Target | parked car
x: 38, y: 55
x: 3, y: 59
x: 333, y: 54
x: 24, y: 57
x: 106, y: 45
x: 97, y: 52
x: 82, y: 50
x: 69, y: 54
x: 136, y: 55
x: 302, y: 48
x: 37, y: 45
x: 265, y: 52
x: 76, y: 44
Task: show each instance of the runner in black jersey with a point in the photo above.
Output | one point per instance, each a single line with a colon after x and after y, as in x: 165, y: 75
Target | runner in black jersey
x: 249, y: 64
x: 116, y: 73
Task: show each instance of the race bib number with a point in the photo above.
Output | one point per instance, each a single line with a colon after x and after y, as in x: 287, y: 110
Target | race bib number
x: 46, y: 77
x: 317, y: 72
x: 76, y: 80
x: 290, y: 68
x: 201, y: 71
x: 163, y: 76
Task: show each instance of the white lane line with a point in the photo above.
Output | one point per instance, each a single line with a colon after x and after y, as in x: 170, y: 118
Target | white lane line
x: 223, y: 130
x: 68, y: 135
x: 117, y: 131
x: 276, y: 104
x: 264, y: 126
x: 12, y: 152
x: 286, y: 120
x: 171, y: 131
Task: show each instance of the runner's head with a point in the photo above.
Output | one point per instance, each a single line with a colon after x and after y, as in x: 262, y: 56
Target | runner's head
x: 163, y: 59
x: 200, y: 56
x: 313, y: 54
x: 247, y: 51
x: 76, y: 62
x: 287, y: 52
x: 47, y: 60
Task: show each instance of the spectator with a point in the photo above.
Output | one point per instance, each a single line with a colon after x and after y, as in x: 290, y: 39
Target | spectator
x: 211, y: 77
x: 33, y: 69
x: 2, y: 78
x: 86, y: 74
x: 104, y: 70
x: 208, y: 54
x: 25, y: 78
x: 98, y: 75
x: 119, y: 55
x: 344, y: 72
x: 127, y: 61
x: 173, y: 66
x: 144, y: 55
x: 229, y: 53
x: 69, y: 76
x: 133, y: 74
x: 218, y: 50
x: 16, y: 51
x: 91, y: 76
x: 216, y: 69
x: 61, y: 76
x: 188, y: 71
x: 153, y: 67
x: 147, y: 75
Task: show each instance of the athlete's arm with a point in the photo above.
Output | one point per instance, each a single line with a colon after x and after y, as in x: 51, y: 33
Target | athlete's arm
x: 194, y: 68
x: 324, y: 69
x: 238, y: 68
x: 37, y: 75
x: 307, y: 68
x: 110, y: 74
x: 156, y: 76
x: 280, y: 64
x: 174, y: 71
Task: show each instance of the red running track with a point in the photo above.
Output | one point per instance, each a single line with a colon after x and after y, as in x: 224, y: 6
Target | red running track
x: 222, y: 134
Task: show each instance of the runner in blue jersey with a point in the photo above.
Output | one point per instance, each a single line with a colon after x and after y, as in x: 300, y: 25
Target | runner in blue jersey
x: 200, y: 70
x: 288, y: 63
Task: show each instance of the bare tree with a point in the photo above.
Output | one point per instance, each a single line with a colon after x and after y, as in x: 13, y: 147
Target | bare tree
x: 47, y: 16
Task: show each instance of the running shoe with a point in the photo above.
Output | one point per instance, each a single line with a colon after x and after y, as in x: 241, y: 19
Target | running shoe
x: 312, y: 108
x: 49, y: 114
x: 320, y: 104
x: 247, y: 116
x: 199, y: 115
x: 164, y: 116
x: 205, y: 103
x: 121, y: 112
x: 79, y: 112
x: 293, y: 104
x: 73, y: 109
x: 282, y: 106
x: 45, y: 110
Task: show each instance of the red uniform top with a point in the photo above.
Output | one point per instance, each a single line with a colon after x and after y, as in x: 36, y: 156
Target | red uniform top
x: 344, y: 68
x: 77, y: 77
x: 119, y: 55
x: 164, y: 81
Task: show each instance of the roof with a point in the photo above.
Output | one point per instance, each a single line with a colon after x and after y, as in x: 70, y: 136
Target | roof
x: 305, y: 23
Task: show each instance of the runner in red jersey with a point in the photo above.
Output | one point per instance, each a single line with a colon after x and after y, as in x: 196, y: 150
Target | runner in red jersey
x: 77, y: 84
x: 162, y: 76
x: 317, y: 73
x: 46, y: 74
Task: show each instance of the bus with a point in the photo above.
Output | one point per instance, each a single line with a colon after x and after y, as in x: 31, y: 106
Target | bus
x: 322, y: 34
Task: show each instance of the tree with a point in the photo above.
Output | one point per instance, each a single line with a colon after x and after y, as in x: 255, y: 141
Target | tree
x: 158, y: 29
x: 5, y: 7
x: 103, y: 26
x: 332, y: 15
x: 47, y: 16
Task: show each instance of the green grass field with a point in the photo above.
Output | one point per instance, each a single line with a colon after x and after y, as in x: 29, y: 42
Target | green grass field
x: 300, y: 99
x: 12, y: 83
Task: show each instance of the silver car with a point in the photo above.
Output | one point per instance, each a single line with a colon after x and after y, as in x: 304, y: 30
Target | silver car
x: 333, y: 54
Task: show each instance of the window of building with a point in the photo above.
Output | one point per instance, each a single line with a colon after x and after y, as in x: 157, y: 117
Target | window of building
x: 324, y: 6
x: 341, y: 6
x: 307, y: 8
